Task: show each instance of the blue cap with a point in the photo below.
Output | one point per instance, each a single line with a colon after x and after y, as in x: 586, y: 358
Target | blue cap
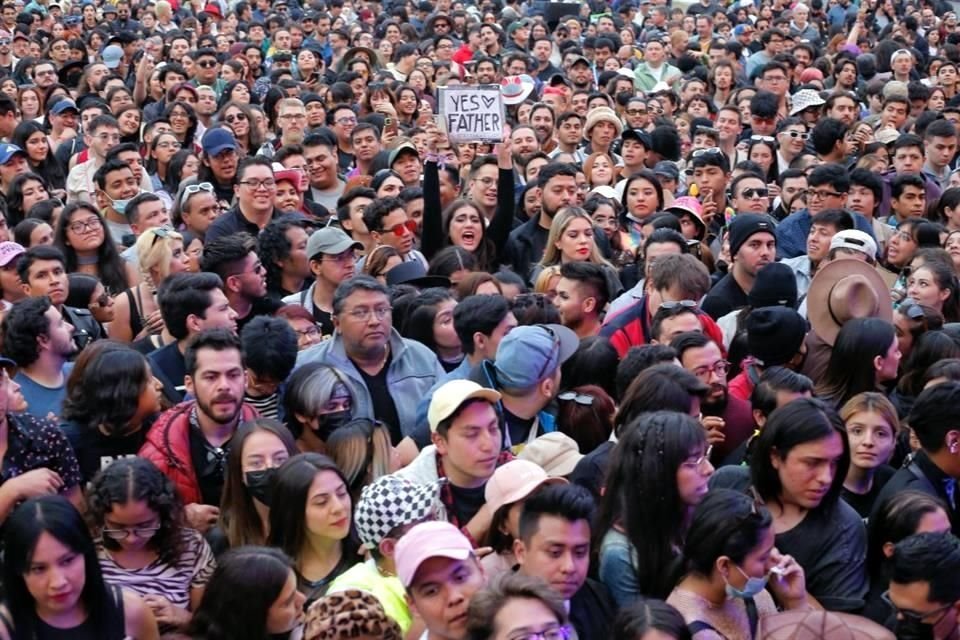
x: 7, y: 151
x: 64, y: 105
x: 530, y: 353
x: 112, y: 56
x: 216, y: 141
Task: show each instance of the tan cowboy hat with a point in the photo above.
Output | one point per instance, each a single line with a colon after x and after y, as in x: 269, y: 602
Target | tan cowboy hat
x: 816, y: 625
x: 843, y: 290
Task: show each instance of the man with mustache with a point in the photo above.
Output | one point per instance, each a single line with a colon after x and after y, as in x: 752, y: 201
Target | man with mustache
x: 190, y: 442
x: 727, y: 419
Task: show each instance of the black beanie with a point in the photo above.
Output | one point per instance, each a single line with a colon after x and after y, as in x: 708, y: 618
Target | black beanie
x: 775, y: 286
x: 775, y: 334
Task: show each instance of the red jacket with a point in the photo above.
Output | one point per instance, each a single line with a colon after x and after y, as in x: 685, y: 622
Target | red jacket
x: 631, y: 328
x: 168, y: 447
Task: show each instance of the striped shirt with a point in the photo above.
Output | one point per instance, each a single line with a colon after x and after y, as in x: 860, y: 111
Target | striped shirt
x: 172, y: 581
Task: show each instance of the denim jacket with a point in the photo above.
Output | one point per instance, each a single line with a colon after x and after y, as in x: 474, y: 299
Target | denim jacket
x: 618, y: 568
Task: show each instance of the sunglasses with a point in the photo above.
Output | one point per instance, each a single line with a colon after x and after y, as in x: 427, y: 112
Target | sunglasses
x: 708, y: 151
x: 161, y: 232
x: 763, y: 138
x: 191, y: 189
x: 797, y: 134
x: 410, y: 226
x: 677, y: 304
x: 755, y: 193
x: 912, y: 309
x: 579, y: 398
x: 207, y: 64
x: 235, y: 117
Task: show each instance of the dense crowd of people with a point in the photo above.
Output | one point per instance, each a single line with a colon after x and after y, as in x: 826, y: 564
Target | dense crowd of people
x: 283, y: 356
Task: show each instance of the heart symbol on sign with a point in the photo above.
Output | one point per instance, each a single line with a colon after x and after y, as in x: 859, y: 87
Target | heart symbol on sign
x: 487, y: 101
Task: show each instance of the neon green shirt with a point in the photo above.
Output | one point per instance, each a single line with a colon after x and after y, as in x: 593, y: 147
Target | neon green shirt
x: 387, y: 589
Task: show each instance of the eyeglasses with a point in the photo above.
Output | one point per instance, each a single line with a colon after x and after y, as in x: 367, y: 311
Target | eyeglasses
x: 123, y: 534
x: 699, y: 462
x: 759, y: 192
x: 192, y: 189
x: 916, y: 616
x: 708, y: 151
x: 554, y: 633
x: 363, y: 314
x: 720, y: 367
x: 267, y: 184
x: 402, y: 229
x: 346, y: 120
x: 293, y: 116
x: 167, y: 144
x: 579, y: 398
x: 310, y: 332
x: 763, y: 138
x: 82, y: 226
x: 207, y: 64
x: 636, y: 112
x: 234, y: 117
x: 813, y: 194
x: 796, y: 134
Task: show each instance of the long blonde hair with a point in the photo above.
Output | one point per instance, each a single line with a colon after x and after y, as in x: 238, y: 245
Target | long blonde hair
x: 362, y: 450
x: 154, y: 251
x: 566, y: 215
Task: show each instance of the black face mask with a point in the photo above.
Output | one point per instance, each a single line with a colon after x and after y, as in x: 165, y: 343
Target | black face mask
x: 327, y: 423
x: 913, y: 629
x: 260, y: 484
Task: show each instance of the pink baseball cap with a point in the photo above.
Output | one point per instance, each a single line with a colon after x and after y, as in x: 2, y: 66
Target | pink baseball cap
x: 10, y: 251
x: 810, y: 73
x: 515, y: 481
x: 435, y: 539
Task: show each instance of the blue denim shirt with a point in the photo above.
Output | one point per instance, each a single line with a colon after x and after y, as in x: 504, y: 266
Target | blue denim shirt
x: 618, y: 568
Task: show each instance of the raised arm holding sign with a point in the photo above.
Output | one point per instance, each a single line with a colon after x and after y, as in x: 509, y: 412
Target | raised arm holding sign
x: 472, y: 114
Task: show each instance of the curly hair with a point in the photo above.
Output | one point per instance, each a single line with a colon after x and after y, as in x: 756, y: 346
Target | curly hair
x: 22, y: 325
x: 134, y: 478
x: 273, y: 247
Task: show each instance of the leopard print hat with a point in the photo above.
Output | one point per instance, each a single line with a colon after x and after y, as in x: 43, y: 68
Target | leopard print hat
x: 349, y: 614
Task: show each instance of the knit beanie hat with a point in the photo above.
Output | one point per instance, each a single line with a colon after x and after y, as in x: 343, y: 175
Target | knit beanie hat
x: 774, y: 286
x: 774, y: 334
x: 745, y: 225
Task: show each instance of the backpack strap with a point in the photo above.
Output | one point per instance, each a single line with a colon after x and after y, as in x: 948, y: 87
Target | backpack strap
x: 7, y: 624
x: 752, y: 615
x: 697, y: 626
